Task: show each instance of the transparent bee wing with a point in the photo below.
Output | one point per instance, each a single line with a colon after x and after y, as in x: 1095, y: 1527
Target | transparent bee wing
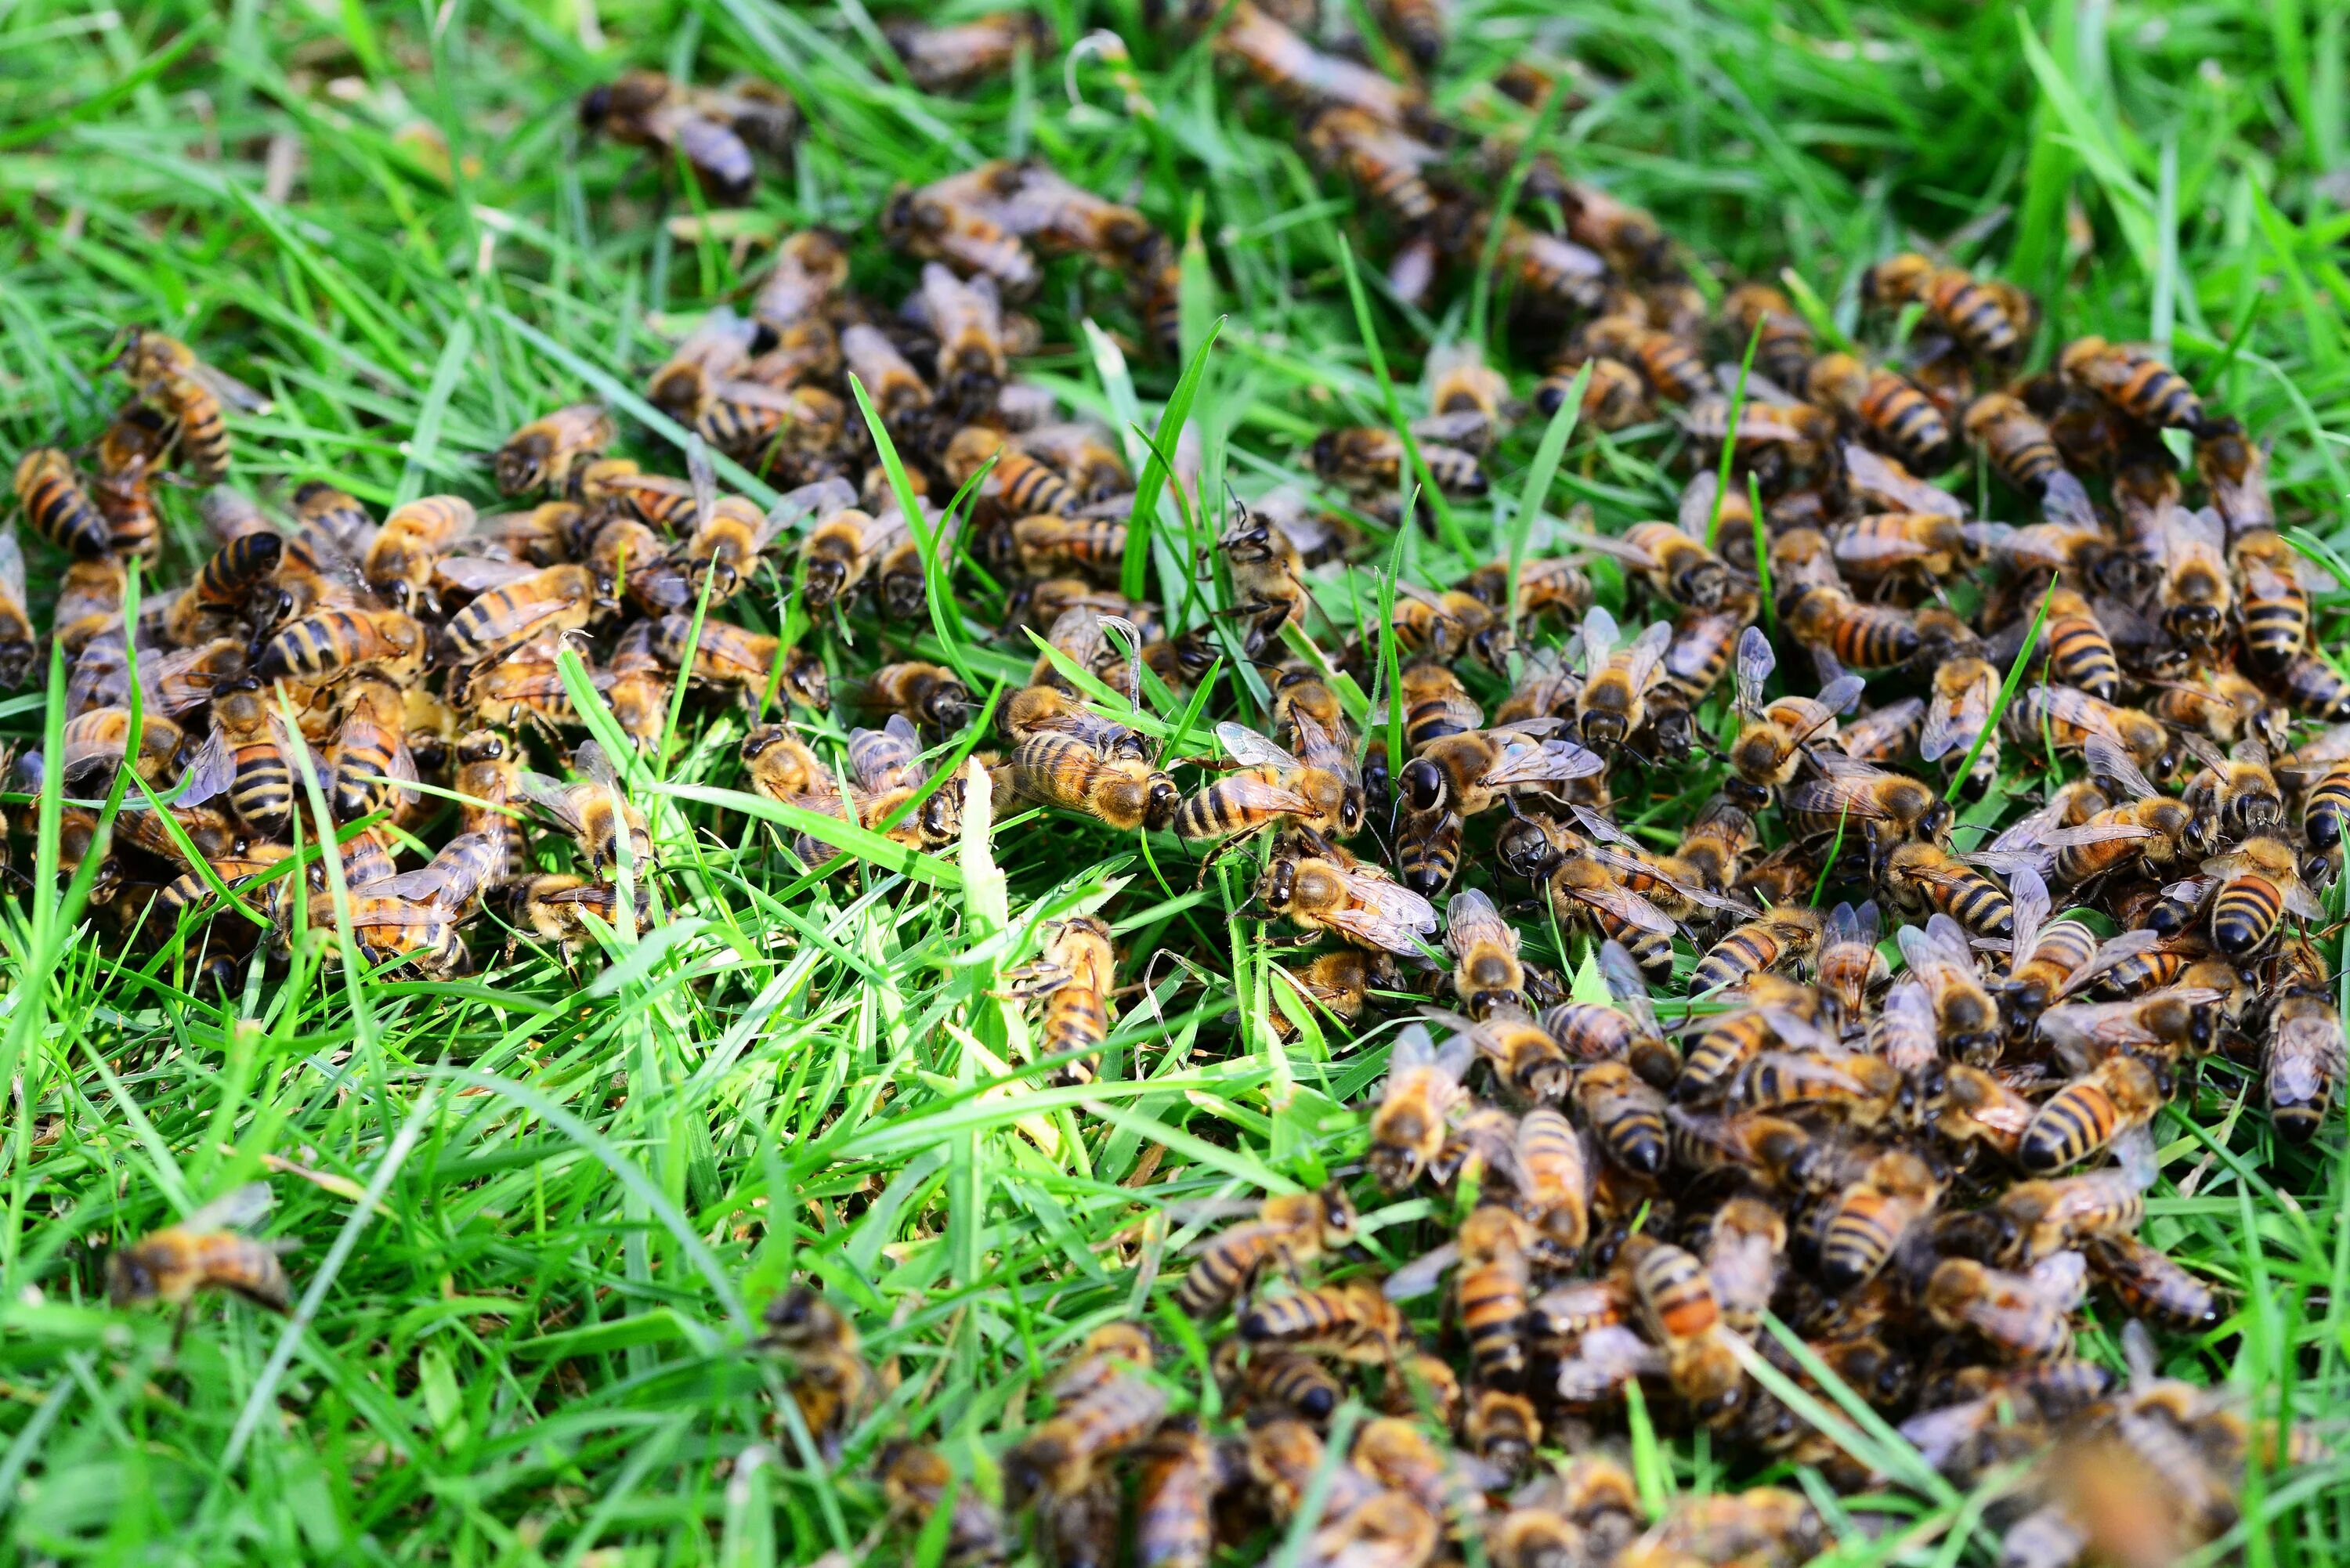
x: 1599, y: 827
x: 1542, y: 761
x: 1695, y: 511
x: 590, y: 760
x: 2064, y: 499
x: 1387, y: 914
x: 1626, y: 906
x: 2200, y: 747
x: 2028, y: 891
x: 2108, y: 760
x: 230, y: 391
x: 699, y: 474
x: 1467, y: 424
x: 1759, y: 388
x: 1942, y: 733
x: 1252, y: 750
x: 2077, y: 708
x: 2135, y: 1153
x: 12, y: 568
x: 1793, y: 1029
x: 211, y: 770
x: 1906, y: 1034
x: 551, y: 796
x: 1469, y: 916
x: 1877, y: 478
x: 1422, y: 1275
x: 233, y: 1211
x: 2060, y: 1280
x: 1648, y: 651
x: 1941, y: 1433
x: 1755, y: 662
x: 479, y: 574
x: 1839, y: 694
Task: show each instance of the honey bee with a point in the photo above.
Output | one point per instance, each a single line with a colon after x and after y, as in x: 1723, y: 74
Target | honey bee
x: 2023, y: 1317
x: 1783, y: 351
x: 368, y: 760
x: 193, y: 395
x: 917, y: 1483
x: 1888, y: 808
x: 2136, y: 384
x: 1082, y: 455
x: 1319, y: 887
x: 2236, y: 472
x: 128, y: 455
x: 1923, y: 877
x: 944, y: 57
x: 331, y: 643
x: 2313, y: 686
x: 1988, y: 319
x: 1853, y: 1087
x: 205, y: 1250
x: 2120, y: 1094
x: 516, y: 607
x: 933, y: 228
x: 1388, y: 163
x: 2196, y: 594
x: 2235, y: 793
x: 1175, y: 1480
x: 1486, y: 968
x: 2305, y: 1064
x: 1671, y: 368
x: 1626, y: 1116
x: 830, y: 1381
x: 1338, y: 983
x: 1772, y: 739
x: 1967, y: 1105
x: 1868, y: 1223
x: 1352, y: 1322
x: 1771, y: 1009
x: 1862, y: 636
x: 1022, y: 485
x: 1614, y: 398
x: 547, y: 452
x: 595, y: 812
x: 1490, y: 1290
x: 1613, y: 703
x: 797, y: 426
x: 1892, y: 410
x: 554, y: 905
x: 1083, y: 962
x: 1470, y: 771
x: 1886, y: 547
x: 2275, y: 601
x: 1778, y: 938
x: 2020, y: 449
x: 1423, y: 1085
x: 1055, y: 769
x: 2258, y: 884
x: 713, y: 132
x: 1702, y: 647
x: 1110, y: 1407
x: 1369, y: 460
x: 2048, y: 954
x: 1678, y: 1304
x: 1849, y: 966
x: 1676, y: 566
x: 1966, y: 1018
x: 54, y: 499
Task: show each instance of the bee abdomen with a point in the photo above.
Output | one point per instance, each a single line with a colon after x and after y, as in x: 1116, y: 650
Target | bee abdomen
x: 2072, y: 1124
x: 2245, y: 915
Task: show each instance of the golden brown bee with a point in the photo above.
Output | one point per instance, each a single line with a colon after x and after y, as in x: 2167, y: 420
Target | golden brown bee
x: 2275, y: 604
x: 1625, y: 1113
x: 1554, y: 583
x: 2196, y: 594
x: 1614, y: 398
x: 1107, y: 1406
x: 192, y: 395
x: 1081, y: 962
x: 1771, y: 1009
x: 1486, y: 971
x: 2312, y: 686
x: 329, y: 643
x: 1886, y: 808
x: 1784, y: 351
x: 1369, y: 460
x: 1678, y: 1304
x: 1040, y: 710
x: 1352, y: 1322
x: 552, y: 906
x: 898, y: 391
x: 18, y: 645
x: 1021, y: 485
x: 2305, y: 1063
x: 1080, y: 453
x: 545, y: 453
x: 1965, y: 1017
x: 830, y: 1381
x: 1853, y: 1087
x: 1423, y: 1085
x: 1046, y: 544
x: 1062, y: 770
x: 917, y: 1481
x: 1338, y: 983
x: 1989, y: 319
x: 2236, y: 472
x: 1268, y: 591
x: 1863, y: 636
x: 1889, y: 408
x: 1905, y: 546
x: 1305, y: 76
x: 2120, y: 1094
x: 1671, y: 368
x: 1616, y: 682
x: 2260, y: 883
x: 1848, y: 966
x: 127, y: 456
x: 205, y: 1250
x: 2019, y: 447
x: 718, y: 349
x: 2022, y: 1317
x: 1745, y: 1245
x: 1389, y: 164
x: 1866, y: 1223
x: 1772, y: 739
x: 1435, y: 704
x: 2047, y: 955
x: 2136, y: 384
x: 595, y: 812
x: 944, y: 57
x: 1271, y: 788
x: 713, y: 131
x: 930, y: 694
x: 1921, y: 879
x: 1318, y: 885
x: 59, y: 507
x: 1782, y: 937
x: 369, y: 762
x: 1676, y: 566
x: 517, y: 607
x: 251, y: 758
x: 1175, y: 1480
x: 1278, y: 1380
x: 933, y: 228
x: 2080, y: 653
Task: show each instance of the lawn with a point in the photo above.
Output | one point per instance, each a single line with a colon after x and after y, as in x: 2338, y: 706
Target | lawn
x: 537, y: 1211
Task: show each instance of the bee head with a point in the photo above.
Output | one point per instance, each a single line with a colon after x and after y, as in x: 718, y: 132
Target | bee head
x: 1603, y: 731
x: 1163, y: 800
x: 127, y: 1277
x: 1425, y: 787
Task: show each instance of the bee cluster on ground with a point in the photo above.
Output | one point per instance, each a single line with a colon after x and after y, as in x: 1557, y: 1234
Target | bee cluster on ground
x: 1922, y: 1175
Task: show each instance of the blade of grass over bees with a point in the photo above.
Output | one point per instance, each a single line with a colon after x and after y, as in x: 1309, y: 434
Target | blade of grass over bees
x: 1133, y: 571
x: 1729, y: 439
x: 2007, y: 690
x: 1762, y: 554
x: 910, y: 506
x: 1539, y: 475
x: 1447, y: 527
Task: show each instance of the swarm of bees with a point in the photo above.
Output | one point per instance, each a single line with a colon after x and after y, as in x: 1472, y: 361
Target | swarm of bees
x: 1903, y: 1105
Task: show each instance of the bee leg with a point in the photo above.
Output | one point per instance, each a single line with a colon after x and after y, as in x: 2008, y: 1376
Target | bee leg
x: 180, y: 1326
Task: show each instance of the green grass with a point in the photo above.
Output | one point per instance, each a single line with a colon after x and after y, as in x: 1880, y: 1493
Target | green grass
x: 537, y: 1213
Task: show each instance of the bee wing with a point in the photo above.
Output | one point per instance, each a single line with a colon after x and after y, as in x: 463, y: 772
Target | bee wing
x: 809, y: 503
x: 551, y: 796
x: 1843, y: 929
x: 1414, y: 1047
x: 751, y: 394
x: 1695, y: 512
x: 2200, y: 747
x: 1542, y: 761
x: 1867, y: 472
x: 2108, y: 761
x: 1939, y: 1433
x: 1626, y: 906
x: 1608, y: 1356
x: 2079, y: 710
x: 1387, y: 914
x: 1906, y: 1035
x: 1255, y: 791
x: 1599, y: 635
x: 479, y: 574
x: 230, y: 391
x: 1944, y: 731
x: 2064, y: 499
x: 590, y: 760
x: 2028, y: 891
x: 1795, y: 1030
x: 1420, y: 1276
x: 701, y: 476
x: 1755, y: 662
x: 1925, y: 949
x: 232, y: 1210
x: 1465, y: 425
x: 1252, y: 750
x: 12, y: 567
x: 1759, y: 388
x: 1648, y: 651
x: 2060, y: 1280
x: 211, y: 770
x: 1841, y: 796
x: 1599, y: 827
x: 1469, y: 916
